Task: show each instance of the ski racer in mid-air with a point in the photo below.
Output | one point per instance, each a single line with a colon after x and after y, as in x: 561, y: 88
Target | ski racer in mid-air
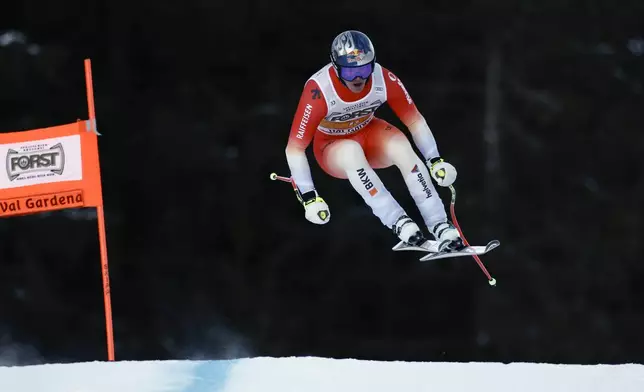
x: 336, y: 112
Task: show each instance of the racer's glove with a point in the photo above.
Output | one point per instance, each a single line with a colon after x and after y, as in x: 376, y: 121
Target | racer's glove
x: 442, y: 172
x: 315, y: 208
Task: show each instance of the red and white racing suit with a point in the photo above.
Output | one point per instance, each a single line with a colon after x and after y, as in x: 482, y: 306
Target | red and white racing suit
x: 349, y: 141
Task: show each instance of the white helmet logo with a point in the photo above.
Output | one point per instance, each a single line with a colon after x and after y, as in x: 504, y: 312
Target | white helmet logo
x: 345, y: 43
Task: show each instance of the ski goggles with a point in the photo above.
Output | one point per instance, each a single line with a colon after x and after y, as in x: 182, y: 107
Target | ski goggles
x: 351, y: 73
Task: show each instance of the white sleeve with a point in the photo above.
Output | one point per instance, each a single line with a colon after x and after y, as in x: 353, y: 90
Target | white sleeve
x: 298, y: 163
x: 424, y: 139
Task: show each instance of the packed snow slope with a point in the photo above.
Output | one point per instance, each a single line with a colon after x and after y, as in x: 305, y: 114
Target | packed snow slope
x: 312, y: 374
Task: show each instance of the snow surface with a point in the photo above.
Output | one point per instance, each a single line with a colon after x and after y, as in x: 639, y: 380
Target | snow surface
x: 312, y: 374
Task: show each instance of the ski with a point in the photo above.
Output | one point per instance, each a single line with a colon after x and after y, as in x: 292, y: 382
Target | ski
x: 431, y: 248
x: 467, y: 251
x: 428, y: 246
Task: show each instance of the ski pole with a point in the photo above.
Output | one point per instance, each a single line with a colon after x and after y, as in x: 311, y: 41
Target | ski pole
x: 452, y: 211
x: 275, y: 177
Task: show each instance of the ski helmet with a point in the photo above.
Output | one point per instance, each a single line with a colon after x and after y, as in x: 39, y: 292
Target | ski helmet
x: 353, y: 55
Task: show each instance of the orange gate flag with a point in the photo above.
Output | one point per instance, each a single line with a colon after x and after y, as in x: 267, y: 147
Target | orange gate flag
x: 56, y: 168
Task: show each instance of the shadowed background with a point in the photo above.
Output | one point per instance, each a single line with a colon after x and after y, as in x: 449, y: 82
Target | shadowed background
x: 538, y: 104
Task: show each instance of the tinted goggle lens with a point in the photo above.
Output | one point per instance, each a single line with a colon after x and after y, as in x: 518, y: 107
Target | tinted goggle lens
x: 351, y: 73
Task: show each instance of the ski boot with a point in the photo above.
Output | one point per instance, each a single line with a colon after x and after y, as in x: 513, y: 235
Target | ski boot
x: 408, y: 231
x: 447, y: 237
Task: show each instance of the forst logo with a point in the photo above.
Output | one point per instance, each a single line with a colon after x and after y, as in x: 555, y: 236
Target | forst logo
x: 368, y: 185
x: 34, y: 160
x: 362, y: 112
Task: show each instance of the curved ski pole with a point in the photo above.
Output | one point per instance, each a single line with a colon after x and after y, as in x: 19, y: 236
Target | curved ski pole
x: 275, y: 177
x: 452, y: 211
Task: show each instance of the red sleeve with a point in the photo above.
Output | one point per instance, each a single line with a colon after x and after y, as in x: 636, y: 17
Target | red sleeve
x: 310, y: 111
x: 399, y: 99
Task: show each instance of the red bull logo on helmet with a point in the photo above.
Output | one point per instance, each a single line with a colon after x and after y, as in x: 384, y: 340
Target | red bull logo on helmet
x: 355, y: 55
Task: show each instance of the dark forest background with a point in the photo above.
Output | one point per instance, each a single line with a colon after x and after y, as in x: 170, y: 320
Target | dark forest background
x: 538, y: 104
